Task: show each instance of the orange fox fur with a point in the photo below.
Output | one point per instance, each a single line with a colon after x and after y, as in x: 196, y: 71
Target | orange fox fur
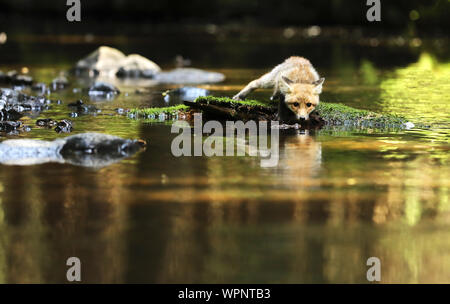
x: 296, y: 80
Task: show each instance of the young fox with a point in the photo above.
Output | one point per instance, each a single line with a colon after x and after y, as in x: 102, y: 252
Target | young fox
x: 297, y: 81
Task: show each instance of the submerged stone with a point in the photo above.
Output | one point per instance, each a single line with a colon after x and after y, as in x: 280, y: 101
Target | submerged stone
x: 64, y: 126
x: 59, y: 83
x: 22, y: 80
x: 103, y: 89
x: 87, y: 149
x: 13, y: 102
x: 12, y: 77
x: 39, y: 87
x: 46, y: 122
x: 10, y: 126
x: 82, y: 108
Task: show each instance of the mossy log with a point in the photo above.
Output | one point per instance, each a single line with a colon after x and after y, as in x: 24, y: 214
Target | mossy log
x: 226, y: 108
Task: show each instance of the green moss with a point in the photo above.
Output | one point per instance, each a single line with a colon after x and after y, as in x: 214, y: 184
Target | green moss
x: 332, y: 113
x: 246, y: 102
x: 155, y: 112
x: 339, y: 114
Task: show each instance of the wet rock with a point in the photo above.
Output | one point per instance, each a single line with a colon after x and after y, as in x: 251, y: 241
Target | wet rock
x: 103, y: 61
x: 88, y: 149
x: 189, y: 75
x: 13, y: 102
x: 3, y: 77
x: 107, y: 61
x: 82, y: 108
x: 22, y: 80
x: 6, y: 78
x: 59, y: 83
x: 6, y: 115
x: 13, y: 78
x: 64, y: 126
x: 136, y: 66
x: 46, y: 122
x: 185, y: 93
x: 10, y: 126
x: 103, y: 90
x: 39, y: 87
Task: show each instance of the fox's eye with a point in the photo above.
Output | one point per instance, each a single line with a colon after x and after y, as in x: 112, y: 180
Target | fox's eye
x: 308, y: 104
x: 296, y: 104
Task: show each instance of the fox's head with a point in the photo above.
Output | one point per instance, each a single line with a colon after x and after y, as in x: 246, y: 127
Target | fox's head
x: 301, y: 98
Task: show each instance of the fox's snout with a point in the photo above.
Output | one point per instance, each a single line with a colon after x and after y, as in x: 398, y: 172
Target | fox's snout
x: 302, y: 117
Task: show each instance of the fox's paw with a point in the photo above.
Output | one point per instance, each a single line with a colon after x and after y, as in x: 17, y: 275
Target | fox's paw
x: 237, y: 97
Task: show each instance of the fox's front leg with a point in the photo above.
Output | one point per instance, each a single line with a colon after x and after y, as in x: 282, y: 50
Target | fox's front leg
x: 263, y: 82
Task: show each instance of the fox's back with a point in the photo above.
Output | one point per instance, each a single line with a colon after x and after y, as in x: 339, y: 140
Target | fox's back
x: 297, y: 69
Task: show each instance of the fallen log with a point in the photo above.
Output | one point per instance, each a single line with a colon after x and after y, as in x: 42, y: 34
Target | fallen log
x: 331, y: 114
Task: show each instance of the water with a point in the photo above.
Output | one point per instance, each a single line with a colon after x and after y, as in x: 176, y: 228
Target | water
x: 336, y: 198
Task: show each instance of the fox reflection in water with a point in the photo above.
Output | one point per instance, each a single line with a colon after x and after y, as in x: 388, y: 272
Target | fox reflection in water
x: 300, y: 153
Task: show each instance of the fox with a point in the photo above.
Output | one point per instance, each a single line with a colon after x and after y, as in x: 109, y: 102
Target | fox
x: 295, y: 83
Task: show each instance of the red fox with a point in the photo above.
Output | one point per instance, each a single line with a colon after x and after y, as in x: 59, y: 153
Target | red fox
x: 296, y: 81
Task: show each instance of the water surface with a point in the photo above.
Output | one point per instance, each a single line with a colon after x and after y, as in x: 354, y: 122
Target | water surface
x: 337, y: 196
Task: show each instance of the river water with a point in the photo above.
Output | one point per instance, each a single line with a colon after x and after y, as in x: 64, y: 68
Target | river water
x: 337, y: 196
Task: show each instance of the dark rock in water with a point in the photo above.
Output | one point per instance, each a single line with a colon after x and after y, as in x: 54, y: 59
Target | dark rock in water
x: 82, y: 108
x: 4, y: 78
x: 13, y: 102
x: 59, y: 83
x: 103, y: 88
x: 46, y: 122
x: 94, y: 143
x: 189, y: 75
x: 185, y: 94
x: 12, y: 77
x: 88, y: 149
x: 64, y: 126
x: 39, y: 87
x: 6, y: 115
x: 22, y: 80
x: 122, y: 73
x: 9, y: 126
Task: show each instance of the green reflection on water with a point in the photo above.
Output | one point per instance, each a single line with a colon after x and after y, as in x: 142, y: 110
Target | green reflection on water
x: 420, y: 91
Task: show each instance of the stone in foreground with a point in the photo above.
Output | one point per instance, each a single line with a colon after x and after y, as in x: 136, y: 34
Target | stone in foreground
x: 87, y: 149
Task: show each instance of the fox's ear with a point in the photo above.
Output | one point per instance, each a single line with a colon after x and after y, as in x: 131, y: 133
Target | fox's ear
x: 318, y: 85
x: 287, y: 82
